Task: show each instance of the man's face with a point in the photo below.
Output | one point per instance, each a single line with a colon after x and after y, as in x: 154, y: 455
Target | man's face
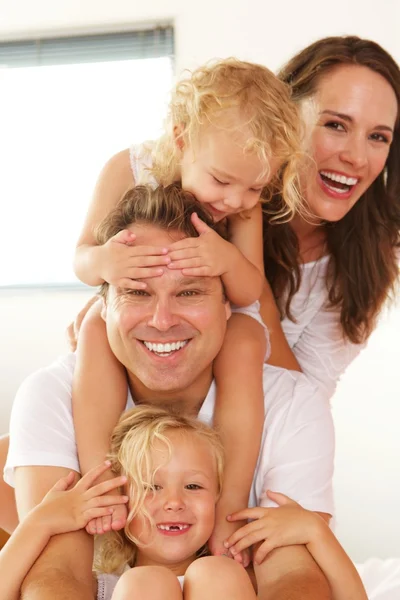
x: 168, y: 334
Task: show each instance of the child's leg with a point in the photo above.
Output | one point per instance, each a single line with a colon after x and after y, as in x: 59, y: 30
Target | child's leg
x: 217, y: 577
x: 148, y: 583
x: 239, y: 416
x: 8, y: 509
x: 98, y: 398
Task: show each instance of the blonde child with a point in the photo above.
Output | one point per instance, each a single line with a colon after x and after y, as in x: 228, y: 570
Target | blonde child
x: 232, y: 129
x: 171, y: 468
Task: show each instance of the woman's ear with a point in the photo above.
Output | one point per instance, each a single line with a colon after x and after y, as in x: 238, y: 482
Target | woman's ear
x: 178, y: 137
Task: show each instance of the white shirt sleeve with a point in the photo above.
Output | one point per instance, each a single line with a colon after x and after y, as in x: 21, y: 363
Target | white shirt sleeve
x: 322, y: 351
x: 41, y: 426
x: 297, y: 454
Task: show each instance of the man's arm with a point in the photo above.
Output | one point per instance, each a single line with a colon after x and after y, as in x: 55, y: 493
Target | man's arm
x: 290, y: 573
x: 64, y: 569
x: 297, y: 460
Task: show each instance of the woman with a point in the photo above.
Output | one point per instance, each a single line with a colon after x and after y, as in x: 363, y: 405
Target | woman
x: 353, y: 88
x: 333, y: 268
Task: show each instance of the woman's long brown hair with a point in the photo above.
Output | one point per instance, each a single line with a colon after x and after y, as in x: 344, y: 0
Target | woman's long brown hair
x: 363, y: 246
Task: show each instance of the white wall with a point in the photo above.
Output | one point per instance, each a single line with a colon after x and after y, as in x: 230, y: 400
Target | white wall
x: 367, y: 405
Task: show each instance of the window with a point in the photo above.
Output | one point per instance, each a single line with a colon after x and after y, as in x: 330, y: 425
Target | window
x: 66, y: 106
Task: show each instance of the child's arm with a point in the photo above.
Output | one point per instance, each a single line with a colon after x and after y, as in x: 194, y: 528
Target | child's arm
x: 60, y: 511
x: 289, y: 525
x: 99, y: 397
x: 239, y: 416
x: 114, y: 180
x: 239, y: 262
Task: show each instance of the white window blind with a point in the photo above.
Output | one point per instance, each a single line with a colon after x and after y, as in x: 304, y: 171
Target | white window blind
x: 66, y: 106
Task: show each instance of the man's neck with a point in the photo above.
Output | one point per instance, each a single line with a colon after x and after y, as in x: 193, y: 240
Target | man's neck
x: 186, y: 402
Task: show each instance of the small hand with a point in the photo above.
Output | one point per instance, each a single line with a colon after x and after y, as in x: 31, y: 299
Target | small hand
x: 205, y: 256
x: 286, y: 525
x: 224, y: 530
x: 68, y: 507
x: 113, y: 522
x: 122, y: 262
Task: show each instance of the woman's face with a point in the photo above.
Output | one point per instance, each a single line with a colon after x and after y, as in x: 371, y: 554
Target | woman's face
x: 356, y: 114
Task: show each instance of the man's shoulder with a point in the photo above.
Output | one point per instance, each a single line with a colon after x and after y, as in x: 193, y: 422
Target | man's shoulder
x: 58, y: 374
x: 291, y: 393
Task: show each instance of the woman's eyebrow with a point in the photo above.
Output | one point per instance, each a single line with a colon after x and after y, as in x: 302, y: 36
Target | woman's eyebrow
x: 351, y: 120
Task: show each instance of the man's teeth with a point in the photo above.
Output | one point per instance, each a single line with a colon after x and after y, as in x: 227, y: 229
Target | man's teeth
x: 340, y: 178
x: 165, y: 348
x: 179, y: 526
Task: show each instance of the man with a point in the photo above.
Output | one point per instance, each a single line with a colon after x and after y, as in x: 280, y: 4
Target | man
x: 296, y: 456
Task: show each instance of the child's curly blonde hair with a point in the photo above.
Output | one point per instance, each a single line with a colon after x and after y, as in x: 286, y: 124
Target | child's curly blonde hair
x: 264, y: 107
x: 132, y: 443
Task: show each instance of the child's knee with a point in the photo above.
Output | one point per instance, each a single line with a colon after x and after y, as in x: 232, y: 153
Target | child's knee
x: 215, y: 567
x: 147, y: 582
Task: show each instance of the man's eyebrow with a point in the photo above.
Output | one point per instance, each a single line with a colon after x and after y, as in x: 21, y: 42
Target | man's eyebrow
x: 350, y: 119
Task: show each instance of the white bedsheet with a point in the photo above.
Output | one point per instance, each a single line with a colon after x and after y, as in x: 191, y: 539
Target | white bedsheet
x: 381, y: 578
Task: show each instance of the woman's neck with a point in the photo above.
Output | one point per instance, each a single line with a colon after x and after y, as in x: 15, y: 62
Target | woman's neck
x: 311, y: 238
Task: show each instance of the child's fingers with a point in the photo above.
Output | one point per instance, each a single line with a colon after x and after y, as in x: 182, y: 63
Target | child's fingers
x: 201, y: 227
x: 88, y: 480
x: 188, y: 263
x: 64, y: 483
x: 262, y: 551
x: 245, y: 536
x: 124, y: 237
x: 98, y: 513
x: 184, y: 253
x: 248, y: 513
x: 184, y: 244
x: 107, y: 500
x: 130, y: 284
x: 105, y: 487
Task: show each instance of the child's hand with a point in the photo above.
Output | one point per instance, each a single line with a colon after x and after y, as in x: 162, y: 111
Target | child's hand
x: 287, y: 525
x: 113, y: 522
x: 68, y: 507
x: 223, y: 531
x: 205, y: 256
x: 122, y: 262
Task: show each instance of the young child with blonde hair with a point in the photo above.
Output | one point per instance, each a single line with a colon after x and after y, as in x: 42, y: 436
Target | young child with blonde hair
x: 231, y: 131
x: 171, y: 468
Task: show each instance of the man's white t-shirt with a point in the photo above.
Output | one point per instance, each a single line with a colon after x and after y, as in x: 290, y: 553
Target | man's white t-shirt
x: 296, y: 456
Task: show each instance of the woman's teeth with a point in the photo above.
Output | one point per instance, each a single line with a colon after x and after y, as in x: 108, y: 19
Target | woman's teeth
x: 165, y: 349
x: 339, y: 183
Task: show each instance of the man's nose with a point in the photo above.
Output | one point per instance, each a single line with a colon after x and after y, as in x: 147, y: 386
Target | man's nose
x: 163, y: 316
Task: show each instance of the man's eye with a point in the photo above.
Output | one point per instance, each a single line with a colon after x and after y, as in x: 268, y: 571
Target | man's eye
x: 188, y: 293
x: 193, y: 486
x: 136, y: 292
